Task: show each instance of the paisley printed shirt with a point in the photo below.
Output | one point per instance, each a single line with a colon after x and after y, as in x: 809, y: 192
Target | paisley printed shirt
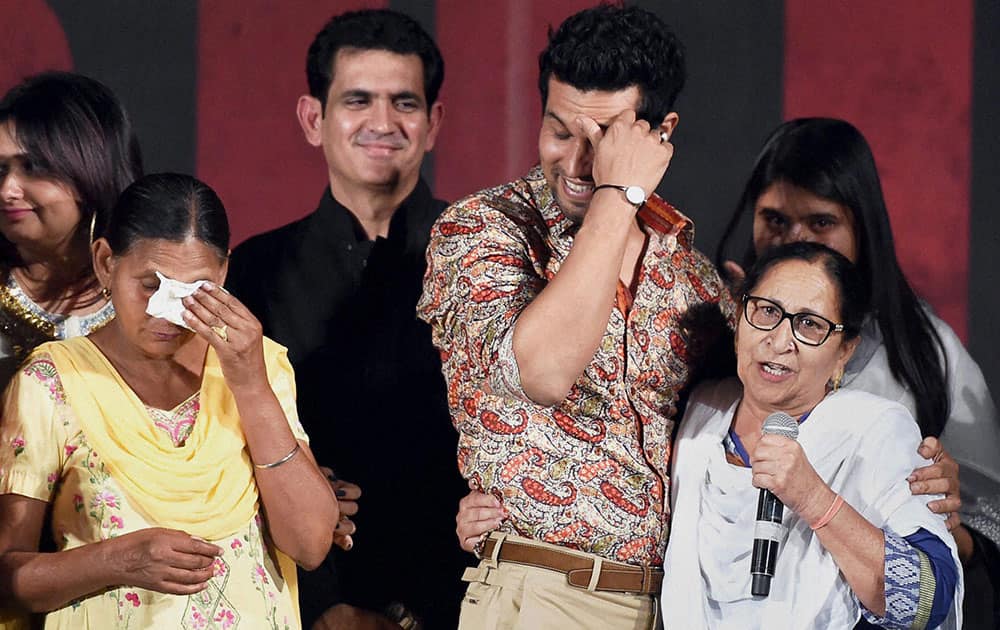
x: 592, y: 472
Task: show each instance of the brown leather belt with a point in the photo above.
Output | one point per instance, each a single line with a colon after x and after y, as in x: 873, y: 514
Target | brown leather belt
x: 614, y: 576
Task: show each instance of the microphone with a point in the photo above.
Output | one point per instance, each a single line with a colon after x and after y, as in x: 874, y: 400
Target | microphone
x: 768, y: 533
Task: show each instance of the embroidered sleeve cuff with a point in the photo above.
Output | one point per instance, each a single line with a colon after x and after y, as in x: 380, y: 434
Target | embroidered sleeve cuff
x: 505, y: 377
x: 909, y: 586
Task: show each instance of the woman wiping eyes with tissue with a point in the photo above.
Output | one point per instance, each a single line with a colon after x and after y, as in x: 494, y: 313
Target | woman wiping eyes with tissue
x: 166, y: 303
x: 165, y: 447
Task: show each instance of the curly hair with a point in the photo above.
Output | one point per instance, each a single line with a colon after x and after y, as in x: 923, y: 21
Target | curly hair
x: 610, y: 48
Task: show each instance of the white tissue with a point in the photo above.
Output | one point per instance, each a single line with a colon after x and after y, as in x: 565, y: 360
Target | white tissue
x: 166, y: 304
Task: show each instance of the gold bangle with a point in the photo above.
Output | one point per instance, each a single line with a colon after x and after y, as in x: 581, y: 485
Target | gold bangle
x: 284, y: 459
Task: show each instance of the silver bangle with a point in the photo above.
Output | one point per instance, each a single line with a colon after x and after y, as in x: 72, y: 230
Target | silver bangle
x: 284, y: 459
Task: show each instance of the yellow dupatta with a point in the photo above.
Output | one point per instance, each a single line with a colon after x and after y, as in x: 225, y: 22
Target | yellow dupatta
x: 205, y: 488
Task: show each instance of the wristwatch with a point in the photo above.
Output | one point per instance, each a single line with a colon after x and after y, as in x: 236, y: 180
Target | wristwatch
x: 633, y: 194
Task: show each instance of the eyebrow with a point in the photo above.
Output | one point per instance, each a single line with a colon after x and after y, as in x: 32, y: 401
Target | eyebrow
x: 809, y: 213
x: 395, y: 96
x: 806, y: 311
x: 554, y: 116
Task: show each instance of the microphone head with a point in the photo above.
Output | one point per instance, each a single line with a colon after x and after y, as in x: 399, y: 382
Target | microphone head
x: 780, y: 423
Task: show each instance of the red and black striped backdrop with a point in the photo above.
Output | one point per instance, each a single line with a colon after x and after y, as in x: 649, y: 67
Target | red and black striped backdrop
x: 212, y: 85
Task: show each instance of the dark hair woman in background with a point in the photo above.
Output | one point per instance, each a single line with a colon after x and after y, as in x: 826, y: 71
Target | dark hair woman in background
x: 66, y: 152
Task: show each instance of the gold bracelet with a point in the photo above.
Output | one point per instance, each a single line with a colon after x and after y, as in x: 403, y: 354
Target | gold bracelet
x: 281, y: 461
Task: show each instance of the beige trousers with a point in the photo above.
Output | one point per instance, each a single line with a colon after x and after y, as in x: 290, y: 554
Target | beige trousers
x: 507, y: 596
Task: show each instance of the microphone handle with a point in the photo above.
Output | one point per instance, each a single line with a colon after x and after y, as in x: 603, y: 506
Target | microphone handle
x: 765, y: 547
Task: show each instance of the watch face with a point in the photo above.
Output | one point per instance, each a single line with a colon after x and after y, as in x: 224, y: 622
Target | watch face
x: 635, y: 195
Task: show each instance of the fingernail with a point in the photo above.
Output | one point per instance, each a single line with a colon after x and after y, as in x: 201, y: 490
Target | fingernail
x: 208, y: 286
x: 331, y: 476
x: 341, y: 494
x: 911, y: 478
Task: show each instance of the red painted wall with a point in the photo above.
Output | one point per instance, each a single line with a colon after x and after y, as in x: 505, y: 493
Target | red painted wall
x: 902, y: 73
x: 490, y: 93
x: 31, y: 42
x: 251, y: 71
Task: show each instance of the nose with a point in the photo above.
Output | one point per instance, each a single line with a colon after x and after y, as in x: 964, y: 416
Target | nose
x: 781, y: 337
x: 795, y: 233
x: 799, y: 233
x: 381, y: 119
x: 10, y: 187
x: 581, y: 159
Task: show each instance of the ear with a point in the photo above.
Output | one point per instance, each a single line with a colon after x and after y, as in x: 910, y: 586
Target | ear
x: 436, y: 115
x: 309, y: 111
x: 103, y: 261
x: 669, y: 123
x: 224, y: 270
x: 846, y: 351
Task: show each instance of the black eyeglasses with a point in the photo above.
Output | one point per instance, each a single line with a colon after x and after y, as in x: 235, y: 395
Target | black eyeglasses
x: 809, y: 328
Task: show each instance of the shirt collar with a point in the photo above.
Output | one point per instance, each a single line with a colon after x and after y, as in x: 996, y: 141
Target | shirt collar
x: 337, y: 223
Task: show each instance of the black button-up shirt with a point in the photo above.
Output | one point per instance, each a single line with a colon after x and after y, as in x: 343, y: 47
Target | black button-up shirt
x: 370, y: 395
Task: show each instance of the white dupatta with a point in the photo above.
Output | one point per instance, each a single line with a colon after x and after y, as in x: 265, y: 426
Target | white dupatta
x: 863, y: 446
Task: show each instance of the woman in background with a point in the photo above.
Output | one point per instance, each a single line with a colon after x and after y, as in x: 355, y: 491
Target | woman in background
x: 66, y: 152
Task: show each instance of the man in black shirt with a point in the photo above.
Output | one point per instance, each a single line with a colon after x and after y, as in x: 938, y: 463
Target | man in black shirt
x: 339, y: 289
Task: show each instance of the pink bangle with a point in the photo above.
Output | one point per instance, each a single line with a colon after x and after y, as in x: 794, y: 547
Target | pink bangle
x: 830, y: 513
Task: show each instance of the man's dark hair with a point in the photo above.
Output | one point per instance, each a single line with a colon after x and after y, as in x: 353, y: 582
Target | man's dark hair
x: 372, y: 29
x: 610, y: 48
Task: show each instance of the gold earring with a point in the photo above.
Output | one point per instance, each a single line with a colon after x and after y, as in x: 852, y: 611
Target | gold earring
x: 106, y: 293
x: 837, y: 378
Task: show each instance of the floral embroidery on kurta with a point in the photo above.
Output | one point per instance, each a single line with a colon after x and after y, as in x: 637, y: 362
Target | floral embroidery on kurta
x: 48, y: 458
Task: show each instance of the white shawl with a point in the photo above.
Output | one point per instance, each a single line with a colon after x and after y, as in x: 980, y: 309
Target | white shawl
x: 863, y: 446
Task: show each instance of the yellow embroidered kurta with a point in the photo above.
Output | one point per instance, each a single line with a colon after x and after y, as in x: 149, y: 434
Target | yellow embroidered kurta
x: 44, y: 454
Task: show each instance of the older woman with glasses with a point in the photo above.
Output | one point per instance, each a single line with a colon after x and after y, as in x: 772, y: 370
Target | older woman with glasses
x: 853, y: 540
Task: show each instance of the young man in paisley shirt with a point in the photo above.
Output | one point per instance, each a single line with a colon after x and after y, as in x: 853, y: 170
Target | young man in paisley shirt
x: 571, y: 310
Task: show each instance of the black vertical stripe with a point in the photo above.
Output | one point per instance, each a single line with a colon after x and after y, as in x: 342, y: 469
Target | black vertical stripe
x: 984, y: 220
x: 147, y: 53
x: 423, y: 11
x: 732, y: 100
